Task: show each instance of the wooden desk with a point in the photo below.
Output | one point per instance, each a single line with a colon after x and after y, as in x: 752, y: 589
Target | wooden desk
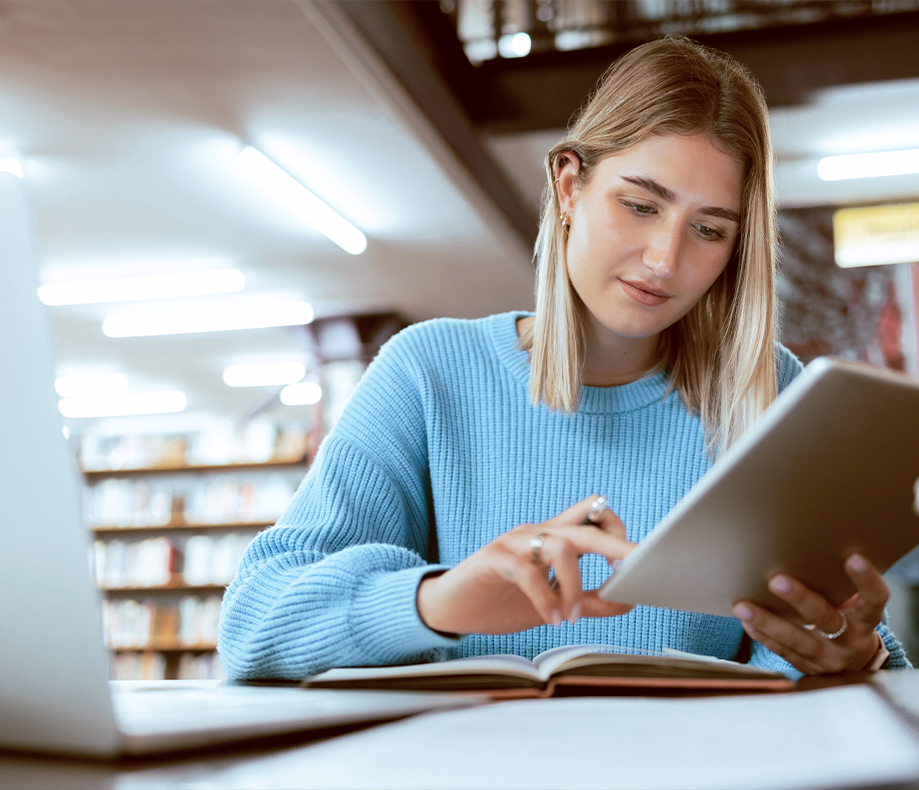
x: 776, y: 740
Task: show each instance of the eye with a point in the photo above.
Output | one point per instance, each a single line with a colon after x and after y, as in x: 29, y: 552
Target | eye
x: 706, y: 232
x: 639, y: 208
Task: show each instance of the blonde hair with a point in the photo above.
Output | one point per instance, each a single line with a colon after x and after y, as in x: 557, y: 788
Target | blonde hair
x: 720, y: 356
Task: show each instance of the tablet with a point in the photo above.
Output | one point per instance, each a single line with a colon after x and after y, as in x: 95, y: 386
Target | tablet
x: 831, y: 468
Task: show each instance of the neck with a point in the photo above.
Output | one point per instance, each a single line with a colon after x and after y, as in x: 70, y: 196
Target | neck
x: 611, y: 360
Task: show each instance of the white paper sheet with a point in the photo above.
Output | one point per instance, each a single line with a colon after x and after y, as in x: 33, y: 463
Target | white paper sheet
x: 842, y: 737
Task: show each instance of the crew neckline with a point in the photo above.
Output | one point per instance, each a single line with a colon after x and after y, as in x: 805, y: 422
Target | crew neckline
x: 594, y: 400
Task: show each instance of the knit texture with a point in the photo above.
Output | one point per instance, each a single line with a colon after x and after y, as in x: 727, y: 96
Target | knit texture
x: 438, y: 452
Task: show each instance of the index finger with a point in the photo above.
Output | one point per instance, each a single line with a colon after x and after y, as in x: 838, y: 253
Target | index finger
x: 598, y: 541
x: 608, y: 537
x: 611, y: 524
x: 872, y: 590
x: 585, y: 512
x: 594, y: 511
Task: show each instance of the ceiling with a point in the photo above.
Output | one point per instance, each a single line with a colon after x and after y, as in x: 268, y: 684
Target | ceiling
x: 128, y: 117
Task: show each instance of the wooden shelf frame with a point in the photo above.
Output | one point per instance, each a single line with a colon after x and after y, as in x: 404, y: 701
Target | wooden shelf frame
x: 176, y: 586
x: 165, y: 647
x: 159, y: 529
x: 143, y: 471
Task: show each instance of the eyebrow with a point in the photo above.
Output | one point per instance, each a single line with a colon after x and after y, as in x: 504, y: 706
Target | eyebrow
x: 724, y: 213
x: 656, y: 188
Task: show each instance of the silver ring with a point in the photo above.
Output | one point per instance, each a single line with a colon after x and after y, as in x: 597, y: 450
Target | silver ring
x: 835, y: 634
x: 536, y: 547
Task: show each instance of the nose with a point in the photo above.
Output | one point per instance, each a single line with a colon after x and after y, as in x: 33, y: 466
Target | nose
x: 662, y: 252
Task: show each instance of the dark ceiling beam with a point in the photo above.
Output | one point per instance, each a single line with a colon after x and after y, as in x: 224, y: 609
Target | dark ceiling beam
x: 417, y: 61
x: 792, y: 62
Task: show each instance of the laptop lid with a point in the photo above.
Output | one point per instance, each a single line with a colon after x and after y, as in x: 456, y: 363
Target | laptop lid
x: 53, y: 663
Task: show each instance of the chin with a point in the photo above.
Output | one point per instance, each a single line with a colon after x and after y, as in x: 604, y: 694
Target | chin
x: 634, y: 328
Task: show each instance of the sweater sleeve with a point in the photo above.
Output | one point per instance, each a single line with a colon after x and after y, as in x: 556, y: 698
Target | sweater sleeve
x: 787, y: 366
x: 333, y: 583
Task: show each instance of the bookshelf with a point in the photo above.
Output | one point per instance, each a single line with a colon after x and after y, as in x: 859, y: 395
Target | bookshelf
x: 168, y: 530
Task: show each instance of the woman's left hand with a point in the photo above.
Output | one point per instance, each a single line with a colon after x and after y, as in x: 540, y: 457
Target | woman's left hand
x: 804, y: 647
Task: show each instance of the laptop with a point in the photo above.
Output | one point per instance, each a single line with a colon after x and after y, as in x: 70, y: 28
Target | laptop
x: 830, y: 469
x: 55, y: 694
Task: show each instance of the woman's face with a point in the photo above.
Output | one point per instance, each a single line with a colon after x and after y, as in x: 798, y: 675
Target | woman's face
x: 651, y: 230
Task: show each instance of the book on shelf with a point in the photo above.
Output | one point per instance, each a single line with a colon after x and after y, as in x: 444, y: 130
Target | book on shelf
x: 257, y: 441
x: 190, y: 624
x: 145, y: 563
x: 157, y: 562
x: 585, y: 666
x: 156, y: 666
x: 212, y: 560
x: 139, y: 666
x: 201, y: 667
x: 261, y: 496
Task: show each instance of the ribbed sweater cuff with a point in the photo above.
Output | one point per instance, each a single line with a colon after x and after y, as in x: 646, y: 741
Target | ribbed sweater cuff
x: 898, y: 658
x: 385, y: 619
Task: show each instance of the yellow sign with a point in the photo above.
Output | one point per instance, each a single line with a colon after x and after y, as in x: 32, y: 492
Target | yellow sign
x: 874, y: 235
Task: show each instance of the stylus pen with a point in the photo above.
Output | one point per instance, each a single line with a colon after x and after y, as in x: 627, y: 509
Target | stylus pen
x: 593, y: 519
x: 595, y: 514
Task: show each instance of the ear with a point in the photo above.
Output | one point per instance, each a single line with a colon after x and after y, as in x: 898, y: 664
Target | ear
x: 567, y: 167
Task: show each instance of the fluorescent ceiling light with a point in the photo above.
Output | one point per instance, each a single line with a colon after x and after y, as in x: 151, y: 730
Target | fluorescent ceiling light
x: 91, y: 385
x: 294, y: 196
x: 154, y: 286
x: 123, y: 405
x: 13, y: 166
x: 212, y: 319
x: 266, y: 374
x: 874, y: 165
x: 305, y: 394
x: 515, y: 45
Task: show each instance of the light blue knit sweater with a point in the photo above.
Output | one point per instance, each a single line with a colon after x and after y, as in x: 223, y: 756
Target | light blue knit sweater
x: 438, y: 452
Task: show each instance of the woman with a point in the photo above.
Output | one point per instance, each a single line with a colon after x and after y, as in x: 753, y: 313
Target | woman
x: 432, y: 514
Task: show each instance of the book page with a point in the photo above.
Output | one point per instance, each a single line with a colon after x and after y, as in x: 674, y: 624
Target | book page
x: 510, y: 665
x: 567, y: 658
x: 550, y: 661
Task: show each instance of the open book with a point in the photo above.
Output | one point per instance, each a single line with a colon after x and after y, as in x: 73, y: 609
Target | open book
x: 580, y: 665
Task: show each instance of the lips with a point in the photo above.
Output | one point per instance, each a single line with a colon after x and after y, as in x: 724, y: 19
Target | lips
x: 643, y: 293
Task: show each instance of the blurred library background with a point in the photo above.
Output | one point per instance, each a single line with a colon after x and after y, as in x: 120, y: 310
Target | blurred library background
x: 238, y: 203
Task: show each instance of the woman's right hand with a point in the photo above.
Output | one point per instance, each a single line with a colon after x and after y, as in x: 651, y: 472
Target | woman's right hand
x: 500, y: 589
